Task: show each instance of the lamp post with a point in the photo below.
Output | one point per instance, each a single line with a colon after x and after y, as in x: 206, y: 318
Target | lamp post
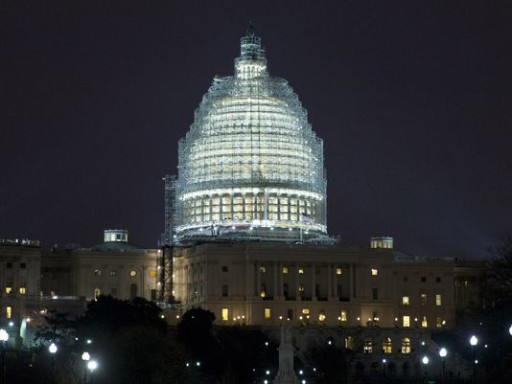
x: 473, y: 341
x: 4, y: 336
x: 53, y: 350
x: 85, y: 357
x: 443, y: 352
x: 425, y: 361
x: 91, y: 366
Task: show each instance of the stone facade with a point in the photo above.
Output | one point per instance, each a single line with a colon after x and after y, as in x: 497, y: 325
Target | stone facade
x: 264, y: 284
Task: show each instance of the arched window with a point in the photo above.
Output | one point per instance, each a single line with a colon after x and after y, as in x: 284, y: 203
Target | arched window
x: 406, y: 345
x: 386, y: 345
x: 368, y: 345
x: 97, y: 292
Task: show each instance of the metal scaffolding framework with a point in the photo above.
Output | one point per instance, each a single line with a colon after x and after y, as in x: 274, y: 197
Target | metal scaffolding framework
x: 251, y: 166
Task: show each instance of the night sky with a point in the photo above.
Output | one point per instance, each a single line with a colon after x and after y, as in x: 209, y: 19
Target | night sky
x: 412, y: 99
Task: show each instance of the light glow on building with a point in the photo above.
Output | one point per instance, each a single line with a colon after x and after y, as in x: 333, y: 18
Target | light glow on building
x: 251, y: 165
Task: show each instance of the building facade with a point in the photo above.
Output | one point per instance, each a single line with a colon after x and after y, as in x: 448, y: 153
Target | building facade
x: 259, y: 283
x: 114, y: 267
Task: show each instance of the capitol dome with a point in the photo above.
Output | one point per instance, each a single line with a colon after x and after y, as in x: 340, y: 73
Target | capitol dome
x: 250, y: 167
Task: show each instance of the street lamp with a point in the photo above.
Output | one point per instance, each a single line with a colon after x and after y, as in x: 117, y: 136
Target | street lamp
x: 91, y: 366
x: 443, y: 352
x: 53, y: 350
x: 85, y: 357
x: 473, y: 341
x: 425, y: 361
x: 4, y: 336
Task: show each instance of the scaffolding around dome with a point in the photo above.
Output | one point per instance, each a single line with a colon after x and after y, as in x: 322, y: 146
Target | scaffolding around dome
x: 251, y: 167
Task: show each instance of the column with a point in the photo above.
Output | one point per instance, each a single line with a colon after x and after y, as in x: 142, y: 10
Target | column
x: 258, y: 278
x: 313, y: 282
x: 276, y: 271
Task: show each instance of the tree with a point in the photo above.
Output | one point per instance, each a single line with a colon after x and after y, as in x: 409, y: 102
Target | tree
x: 128, y: 339
x: 495, y: 318
x: 195, y: 331
x: 330, y: 362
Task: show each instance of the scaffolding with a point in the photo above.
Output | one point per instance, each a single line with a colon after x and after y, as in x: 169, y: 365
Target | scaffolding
x: 169, y: 198
x: 165, y: 261
x: 251, y: 166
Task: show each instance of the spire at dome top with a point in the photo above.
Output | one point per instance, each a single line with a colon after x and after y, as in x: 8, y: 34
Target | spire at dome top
x: 252, y: 61
x: 250, y: 30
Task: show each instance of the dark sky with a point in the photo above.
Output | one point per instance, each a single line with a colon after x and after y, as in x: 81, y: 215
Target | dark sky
x: 412, y: 99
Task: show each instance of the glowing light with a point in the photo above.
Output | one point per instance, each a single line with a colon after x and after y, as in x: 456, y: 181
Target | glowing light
x: 250, y: 160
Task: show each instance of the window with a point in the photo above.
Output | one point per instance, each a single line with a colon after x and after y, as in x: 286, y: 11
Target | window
x: 349, y: 342
x: 305, y: 311
x: 113, y: 273
x: 406, y: 345
x: 267, y: 313
x: 368, y: 345
x: 406, y: 279
x: 406, y: 321
x: 387, y: 346
x: 224, y: 268
x: 343, y: 315
x: 423, y: 299
x: 23, y: 265
x: 263, y: 270
x: 339, y: 271
x: 285, y: 270
x: 263, y: 291
x: 113, y: 292
x: 133, y: 273
x: 8, y: 312
x: 374, y: 271
x: 8, y: 265
x: 96, y: 292
x: 424, y: 323
x: 97, y: 272
x: 439, y: 300
x: 224, y: 314
x: 8, y: 289
x: 439, y: 322
x: 152, y: 273
x: 405, y: 300
x: 438, y: 279
x: 289, y: 314
x: 23, y: 290
x: 423, y: 279
x: 375, y: 294
x: 301, y: 271
x: 321, y: 316
x: 224, y: 290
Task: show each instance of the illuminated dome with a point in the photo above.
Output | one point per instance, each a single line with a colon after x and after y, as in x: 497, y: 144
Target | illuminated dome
x: 250, y: 167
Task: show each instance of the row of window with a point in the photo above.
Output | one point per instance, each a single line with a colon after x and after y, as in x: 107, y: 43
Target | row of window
x: 300, y: 270
x: 406, y: 300
x: 387, y: 345
x: 22, y: 289
x: 339, y: 271
x: 343, y: 317
x: 131, y: 273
